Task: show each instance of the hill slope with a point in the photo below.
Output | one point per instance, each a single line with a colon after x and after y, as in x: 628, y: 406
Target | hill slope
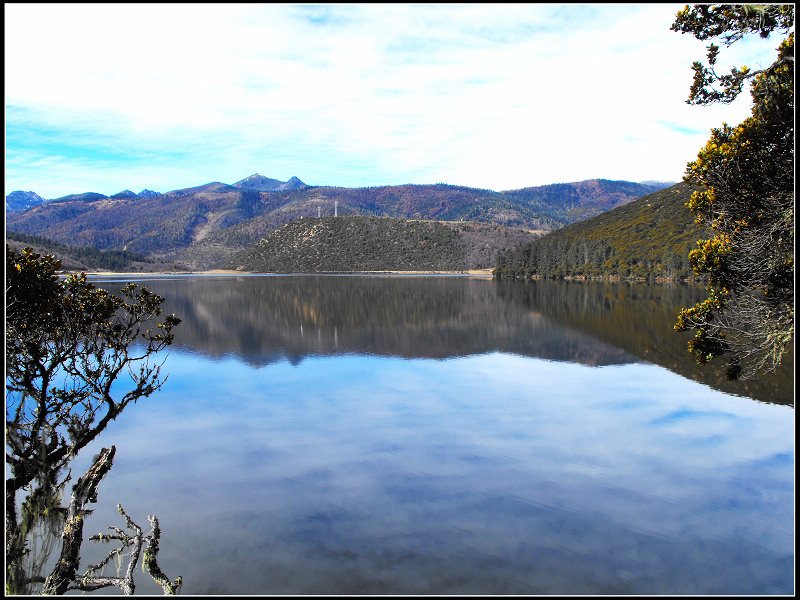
x: 83, y: 259
x: 649, y: 237
x: 349, y: 244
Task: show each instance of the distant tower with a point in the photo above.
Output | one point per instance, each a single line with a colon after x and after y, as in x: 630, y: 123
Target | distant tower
x: 335, y: 208
x: 319, y: 213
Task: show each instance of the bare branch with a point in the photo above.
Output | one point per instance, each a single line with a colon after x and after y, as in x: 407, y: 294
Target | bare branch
x: 91, y: 580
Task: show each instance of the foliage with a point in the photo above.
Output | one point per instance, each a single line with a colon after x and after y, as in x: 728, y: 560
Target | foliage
x: 648, y: 238
x: 67, y: 343
x: 747, y: 198
x: 731, y: 22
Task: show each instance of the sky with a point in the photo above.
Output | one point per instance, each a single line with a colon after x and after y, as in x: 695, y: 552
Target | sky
x: 108, y: 97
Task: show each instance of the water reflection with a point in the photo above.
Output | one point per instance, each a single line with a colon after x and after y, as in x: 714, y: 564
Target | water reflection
x: 639, y: 318
x: 500, y: 460
x: 267, y: 319
x: 487, y: 474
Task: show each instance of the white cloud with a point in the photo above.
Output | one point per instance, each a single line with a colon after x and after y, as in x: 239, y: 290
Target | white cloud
x: 496, y: 96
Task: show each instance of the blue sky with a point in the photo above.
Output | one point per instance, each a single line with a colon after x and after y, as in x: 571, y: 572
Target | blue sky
x: 106, y: 97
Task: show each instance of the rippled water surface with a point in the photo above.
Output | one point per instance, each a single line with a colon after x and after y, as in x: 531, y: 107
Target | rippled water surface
x: 445, y: 435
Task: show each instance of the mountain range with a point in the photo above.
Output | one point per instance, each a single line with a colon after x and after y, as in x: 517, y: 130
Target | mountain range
x: 20, y: 200
x: 203, y: 226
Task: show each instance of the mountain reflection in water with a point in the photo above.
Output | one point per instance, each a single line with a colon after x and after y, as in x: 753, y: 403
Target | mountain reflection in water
x: 264, y: 319
x: 340, y: 435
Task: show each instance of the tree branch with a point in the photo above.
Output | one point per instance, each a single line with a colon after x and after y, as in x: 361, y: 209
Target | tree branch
x: 91, y: 580
x: 83, y: 492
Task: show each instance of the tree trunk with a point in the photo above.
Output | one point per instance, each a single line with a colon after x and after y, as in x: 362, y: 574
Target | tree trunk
x: 14, y: 553
x: 83, y: 492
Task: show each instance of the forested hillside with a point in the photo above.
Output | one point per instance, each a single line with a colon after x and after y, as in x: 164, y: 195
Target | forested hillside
x: 349, y: 244
x: 75, y: 259
x: 648, y: 238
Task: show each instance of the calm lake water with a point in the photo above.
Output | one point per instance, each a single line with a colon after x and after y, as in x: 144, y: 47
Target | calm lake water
x: 448, y: 435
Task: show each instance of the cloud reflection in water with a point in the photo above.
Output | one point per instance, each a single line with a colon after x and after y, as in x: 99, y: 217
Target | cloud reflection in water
x: 486, y: 474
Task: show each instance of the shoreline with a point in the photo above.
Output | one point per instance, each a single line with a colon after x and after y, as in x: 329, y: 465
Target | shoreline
x: 476, y: 273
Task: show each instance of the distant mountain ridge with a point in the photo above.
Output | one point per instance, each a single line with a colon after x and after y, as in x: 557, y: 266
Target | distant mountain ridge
x: 203, y: 226
x: 129, y: 194
x: 20, y: 200
x: 261, y: 183
x: 584, y: 199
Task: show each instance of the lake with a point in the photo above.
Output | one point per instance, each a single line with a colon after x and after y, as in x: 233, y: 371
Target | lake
x: 450, y: 435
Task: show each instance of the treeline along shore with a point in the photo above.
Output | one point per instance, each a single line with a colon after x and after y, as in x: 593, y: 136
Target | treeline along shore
x: 648, y: 239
